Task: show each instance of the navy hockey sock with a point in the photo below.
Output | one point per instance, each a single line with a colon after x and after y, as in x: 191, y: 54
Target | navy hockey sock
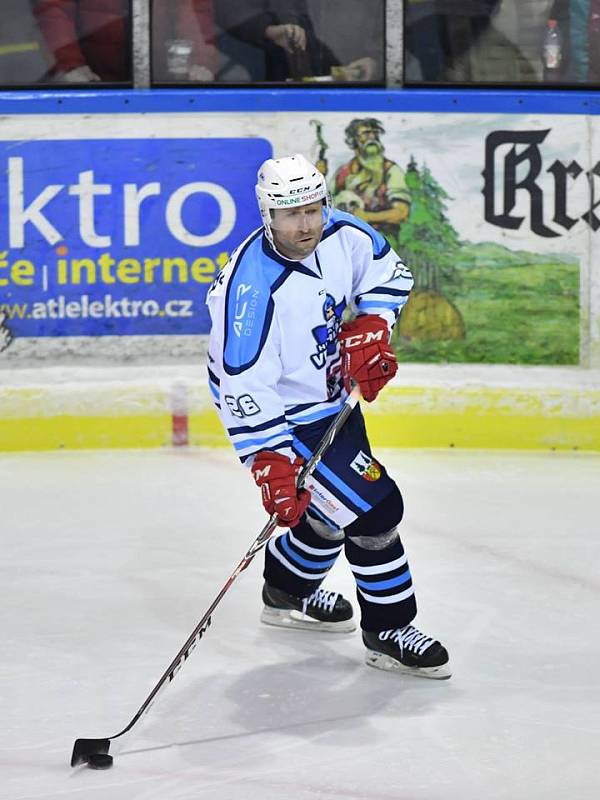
x: 383, y: 583
x: 299, y: 559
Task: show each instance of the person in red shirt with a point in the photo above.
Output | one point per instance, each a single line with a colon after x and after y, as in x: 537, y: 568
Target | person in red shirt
x: 91, y: 39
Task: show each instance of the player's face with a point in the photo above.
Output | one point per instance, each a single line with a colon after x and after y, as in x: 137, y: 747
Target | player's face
x: 297, y: 231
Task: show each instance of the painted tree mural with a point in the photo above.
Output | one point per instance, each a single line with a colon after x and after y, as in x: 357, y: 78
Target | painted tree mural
x: 430, y: 245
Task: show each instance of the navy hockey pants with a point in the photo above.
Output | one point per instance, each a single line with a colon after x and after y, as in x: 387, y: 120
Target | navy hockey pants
x: 354, y: 505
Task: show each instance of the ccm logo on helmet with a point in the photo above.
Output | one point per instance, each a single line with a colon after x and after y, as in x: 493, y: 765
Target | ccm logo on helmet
x: 362, y: 338
x: 299, y: 191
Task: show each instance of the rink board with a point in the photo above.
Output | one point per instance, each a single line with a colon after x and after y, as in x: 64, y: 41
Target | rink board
x: 47, y: 418
x: 118, y: 209
x: 123, y: 281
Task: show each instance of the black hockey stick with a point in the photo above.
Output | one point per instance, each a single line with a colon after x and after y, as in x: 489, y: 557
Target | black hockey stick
x: 87, y: 750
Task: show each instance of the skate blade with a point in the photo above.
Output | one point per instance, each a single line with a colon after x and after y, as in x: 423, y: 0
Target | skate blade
x: 385, y: 662
x: 290, y: 618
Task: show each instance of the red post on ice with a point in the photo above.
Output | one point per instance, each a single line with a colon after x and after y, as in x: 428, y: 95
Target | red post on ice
x: 179, y: 415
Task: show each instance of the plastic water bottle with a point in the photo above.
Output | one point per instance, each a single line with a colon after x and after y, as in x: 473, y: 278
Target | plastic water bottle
x: 179, y: 53
x: 552, y: 50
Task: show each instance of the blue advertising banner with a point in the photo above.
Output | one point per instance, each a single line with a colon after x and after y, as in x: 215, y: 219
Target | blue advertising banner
x: 120, y: 236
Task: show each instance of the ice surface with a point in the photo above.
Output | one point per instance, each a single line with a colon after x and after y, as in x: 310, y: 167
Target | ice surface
x: 110, y: 558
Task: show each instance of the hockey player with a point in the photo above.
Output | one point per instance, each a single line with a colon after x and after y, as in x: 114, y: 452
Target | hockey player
x: 281, y: 361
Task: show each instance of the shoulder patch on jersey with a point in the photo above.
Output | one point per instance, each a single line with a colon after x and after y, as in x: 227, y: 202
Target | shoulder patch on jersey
x: 341, y: 219
x: 249, y: 307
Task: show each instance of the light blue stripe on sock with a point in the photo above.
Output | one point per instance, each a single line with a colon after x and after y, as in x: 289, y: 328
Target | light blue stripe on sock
x: 391, y: 582
x: 305, y: 562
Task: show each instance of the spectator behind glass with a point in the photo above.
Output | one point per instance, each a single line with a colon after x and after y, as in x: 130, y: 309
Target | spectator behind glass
x: 354, y: 30
x: 579, y: 25
x: 89, y: 39
x: 439, y: 33
x: 284, y: 30
x: 183, y: 41
x: 456, y: 41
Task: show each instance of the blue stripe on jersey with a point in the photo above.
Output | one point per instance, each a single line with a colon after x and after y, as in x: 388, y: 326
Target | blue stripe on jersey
x: 333, y: 479
x: 384, y: 252
x: 249, y: 306
x: 281, y: 446
x: 297, y: 409
x: 271, y: 423
x: 385, y: 290
x: 325, y: 412
x: 214, y: 391
x: 213, y: 377
x: 260, y: 443
x: 340, y: 219
x: 318, y: 263
x: 376, y: 304
x: 287, y: 262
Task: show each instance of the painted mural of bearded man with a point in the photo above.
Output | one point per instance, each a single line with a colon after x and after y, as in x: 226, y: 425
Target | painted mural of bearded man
x: 370, y: 185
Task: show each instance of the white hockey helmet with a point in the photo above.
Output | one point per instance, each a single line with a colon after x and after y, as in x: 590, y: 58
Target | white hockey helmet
x: 287, y: 183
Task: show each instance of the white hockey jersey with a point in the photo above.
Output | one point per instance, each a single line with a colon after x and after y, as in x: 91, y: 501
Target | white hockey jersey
x: 273, y: 356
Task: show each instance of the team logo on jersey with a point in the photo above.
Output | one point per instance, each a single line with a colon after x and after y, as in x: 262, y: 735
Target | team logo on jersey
x: 326, y: 335
x: 366, y: 466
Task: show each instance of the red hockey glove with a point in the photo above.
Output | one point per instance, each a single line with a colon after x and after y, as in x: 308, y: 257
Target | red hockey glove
x: 366, y: 355
x: 276, y: 475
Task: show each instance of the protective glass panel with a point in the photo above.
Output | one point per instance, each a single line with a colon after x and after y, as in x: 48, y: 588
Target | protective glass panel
x: 183, y: 41
x: 502, y: 42
x: 69, y: 42
x: 268, y: 41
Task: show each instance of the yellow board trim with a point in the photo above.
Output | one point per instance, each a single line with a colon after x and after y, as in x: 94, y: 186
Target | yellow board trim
x: 481, y: 417
x: 488, y: 418
x: 66, y: 432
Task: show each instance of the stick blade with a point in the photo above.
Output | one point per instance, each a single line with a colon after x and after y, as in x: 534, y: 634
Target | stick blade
x: 84, y: 748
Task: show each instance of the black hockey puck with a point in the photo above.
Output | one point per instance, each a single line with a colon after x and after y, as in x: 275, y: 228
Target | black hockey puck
x: 100, y: 761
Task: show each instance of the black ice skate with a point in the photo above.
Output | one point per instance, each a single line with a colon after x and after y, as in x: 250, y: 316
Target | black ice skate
x: 409, y: 651
x: 322, y: 611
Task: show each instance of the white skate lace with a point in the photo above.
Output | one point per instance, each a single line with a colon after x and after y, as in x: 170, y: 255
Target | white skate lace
x: 408, y: 638
x: 320, y: 599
